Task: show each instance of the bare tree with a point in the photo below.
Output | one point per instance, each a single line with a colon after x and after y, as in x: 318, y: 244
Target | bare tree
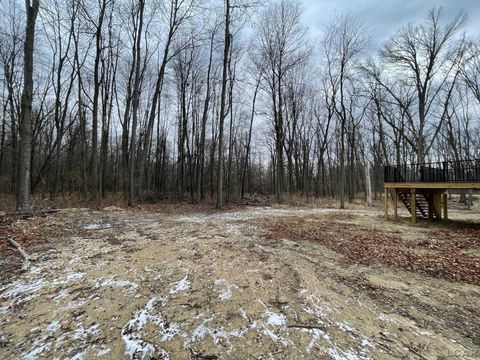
x: 23, y: 191
x: 11, y: 40
x: 249, y: 136
x: 282, y: 46
x: 151, y: 99
x: 343, y: 42
x: 223, y: 114
x: 54, y: 28
x: 421, y: 54
x: 471, y: 73
x: 135, y: 101
x: 206, y: 104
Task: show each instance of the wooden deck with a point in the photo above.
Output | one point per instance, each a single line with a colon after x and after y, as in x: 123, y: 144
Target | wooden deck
x: 423, y: 188
x: 433, y: 185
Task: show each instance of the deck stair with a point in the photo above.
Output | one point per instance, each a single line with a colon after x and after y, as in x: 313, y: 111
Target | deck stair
x: 423, y: 202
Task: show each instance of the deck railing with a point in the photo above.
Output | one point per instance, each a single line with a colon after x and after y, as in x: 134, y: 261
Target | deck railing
x: 446, y: 171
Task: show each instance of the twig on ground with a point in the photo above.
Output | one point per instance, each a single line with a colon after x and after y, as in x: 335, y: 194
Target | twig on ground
x: 306, y: 326
x: 26, y: 258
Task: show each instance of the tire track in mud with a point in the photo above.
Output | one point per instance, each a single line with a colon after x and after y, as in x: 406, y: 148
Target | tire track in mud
x: 200, y: 285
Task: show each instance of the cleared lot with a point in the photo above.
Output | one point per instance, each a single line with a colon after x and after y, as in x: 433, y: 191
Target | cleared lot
x: 252, y: 283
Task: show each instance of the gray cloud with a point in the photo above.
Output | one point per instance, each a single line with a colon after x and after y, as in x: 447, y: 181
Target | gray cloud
x: 383, y: 17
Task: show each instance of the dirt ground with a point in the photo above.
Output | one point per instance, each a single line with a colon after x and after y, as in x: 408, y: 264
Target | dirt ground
x: 144, y: 284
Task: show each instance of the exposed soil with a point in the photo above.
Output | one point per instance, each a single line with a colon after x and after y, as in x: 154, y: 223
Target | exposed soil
x: 252, y: 283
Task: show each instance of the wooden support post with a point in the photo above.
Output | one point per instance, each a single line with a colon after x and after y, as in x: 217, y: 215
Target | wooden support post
x: 385, y: 203
x: 445, y: 205
x: 437, y: 203
x: 414, y: 206
x: 395, y: 204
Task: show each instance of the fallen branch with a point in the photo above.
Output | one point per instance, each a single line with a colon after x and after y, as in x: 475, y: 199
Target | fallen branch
x: 27, y: 214
x: 26, y: 258
x: 417, y: 353
x: 305, y: 326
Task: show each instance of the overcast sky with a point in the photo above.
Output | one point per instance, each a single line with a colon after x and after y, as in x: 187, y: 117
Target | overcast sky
x: 383, y: 17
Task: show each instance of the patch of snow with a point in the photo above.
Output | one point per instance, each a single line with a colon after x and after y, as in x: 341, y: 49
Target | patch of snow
x: 74, y: 276
x: 59, y: 341
x: 103, y: 352
x: 82, y: 333
x: 366, y: 342
x: 425, y: 333
x: 232, y: 229
x: 76, y: 304
x: 61, y: 281
x: 265, y: 330
x: 338, y: 354
x: 275, y: 319
x: 346, y: 327
x: 132, y: 337
x: 141, y: 349
x: 45, y: 342
x: 317, y: 333
x: 385, y: 318
x: 53, y: 326
x: 244, y: 314
x: 79, y: 356
x: 218, y: 335
x: 318, y: 308
x: 97, y: 226
x: 117, y: 284
x: 38, y: 348
x: 20, y: 288
x: 63, y: 293
x: 182, y: 285
x: 226, y: 292
x: 35, y: 270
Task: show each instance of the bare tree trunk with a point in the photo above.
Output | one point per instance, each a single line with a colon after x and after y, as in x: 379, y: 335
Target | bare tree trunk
x: 279, y: 138
x: 23, y: 191
x: 201, y: 156
x: 81, y: 116
x: 342, y: 166
x: 219, y: 204
x: 368, y: 184
x: 249, y: 138
x: 94, y: 183
x: 8, y: 71
x: 135, y: 103
x: 2, y: 139
x: 230, y: 142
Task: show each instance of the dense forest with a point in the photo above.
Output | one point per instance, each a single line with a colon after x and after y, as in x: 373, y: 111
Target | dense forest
x: 218, y: 100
